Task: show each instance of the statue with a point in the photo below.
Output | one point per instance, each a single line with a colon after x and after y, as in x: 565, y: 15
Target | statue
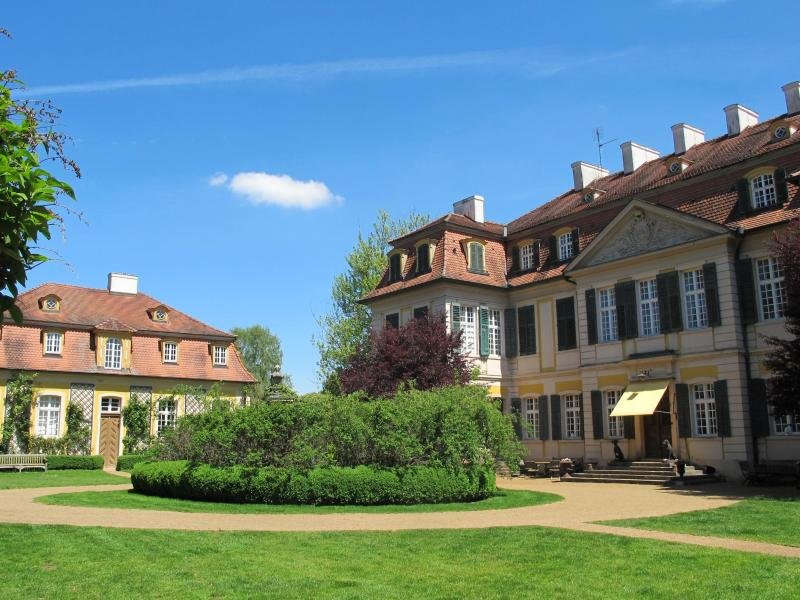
x: 618, y: 455
x: 668, y: 450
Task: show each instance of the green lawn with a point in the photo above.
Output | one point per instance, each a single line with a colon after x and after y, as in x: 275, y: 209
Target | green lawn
x: 130, y: 499
x: 523, y: 562
x: 34, y: 479
x: 775, y: 520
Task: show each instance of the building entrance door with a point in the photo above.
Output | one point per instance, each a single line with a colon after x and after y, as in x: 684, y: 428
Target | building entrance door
x: 109, y: 438
x: 657, y: 428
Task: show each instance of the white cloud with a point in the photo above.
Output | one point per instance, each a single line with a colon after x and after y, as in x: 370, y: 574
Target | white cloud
x: 280, y: 190
x: 217, y: 179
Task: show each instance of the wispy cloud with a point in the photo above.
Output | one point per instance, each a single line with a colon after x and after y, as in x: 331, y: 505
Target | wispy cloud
x: 527, y: 62
x: 280, y: 190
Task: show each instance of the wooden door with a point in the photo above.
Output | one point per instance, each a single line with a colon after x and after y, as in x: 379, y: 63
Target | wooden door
x: 109, y: 439
x: 657, y: 428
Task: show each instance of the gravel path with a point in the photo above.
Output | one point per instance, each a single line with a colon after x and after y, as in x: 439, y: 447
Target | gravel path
x: 583, y: 503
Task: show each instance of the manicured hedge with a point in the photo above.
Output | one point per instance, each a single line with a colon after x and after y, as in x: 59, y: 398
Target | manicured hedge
x: 126, y: 462
x: 57, y: 462
x: 327, y: 485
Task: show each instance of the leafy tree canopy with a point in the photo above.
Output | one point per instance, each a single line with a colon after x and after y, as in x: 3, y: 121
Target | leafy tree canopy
x: 261, y: 353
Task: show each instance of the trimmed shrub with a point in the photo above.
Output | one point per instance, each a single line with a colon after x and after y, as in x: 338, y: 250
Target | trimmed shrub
x: 60, y: 462
x: 323, y: 485
x: 126, y: 462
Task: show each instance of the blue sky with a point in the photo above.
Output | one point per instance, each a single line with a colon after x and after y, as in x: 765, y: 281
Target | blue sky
x: 310, y: 116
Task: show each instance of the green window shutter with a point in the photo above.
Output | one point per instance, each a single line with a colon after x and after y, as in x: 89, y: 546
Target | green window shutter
x: 423, y: 258
x: 747, y: 290
x: 744, y: 203
x: 669, y: 301
x: 565, y: 323
x: 576, y: 241
x: 476, y: 257
x: 555, y: 409
x: 515, y: 266
x: 723, y: 408
x: 455, y: 318
x: 781, y: 190
x: 591, y: 315
x: 684, y: 410
x: 516, y: 415
x: 597, y: 414
x: 527, y: 330
x: 627, y: 323
x: 510, y: 319
x: 536, y: 248
x: 629, y: 427
x: 552, y: 242
x: 544, y: 418
x: 712, y: 294
x: 582, y: 421
x: 484, y: 325
x: 759, y: 414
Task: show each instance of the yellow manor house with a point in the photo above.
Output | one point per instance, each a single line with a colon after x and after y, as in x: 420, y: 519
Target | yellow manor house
x: 631, y: 308
x: 97, y: 347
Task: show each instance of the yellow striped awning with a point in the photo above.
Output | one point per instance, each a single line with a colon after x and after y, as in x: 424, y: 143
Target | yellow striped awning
x: 640, y: 398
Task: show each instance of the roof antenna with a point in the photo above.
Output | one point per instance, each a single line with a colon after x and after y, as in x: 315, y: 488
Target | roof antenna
x: 598, y: 134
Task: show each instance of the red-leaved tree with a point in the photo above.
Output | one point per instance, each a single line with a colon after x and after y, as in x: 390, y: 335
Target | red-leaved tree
x: 783, y: 359
x: 421, y: 353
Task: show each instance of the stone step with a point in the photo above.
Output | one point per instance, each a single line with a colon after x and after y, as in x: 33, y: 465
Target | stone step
x: 638, y: 472
x: 631, y: 480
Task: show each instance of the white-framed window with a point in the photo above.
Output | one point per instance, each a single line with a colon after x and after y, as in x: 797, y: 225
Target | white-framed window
x: 48, y: 416
x: 787, y: 425
x: 109, y: 404
x: 648, y: 308
x: 220, y: 355
x: 572, y: 416
x: 113, y: 353
x: 705, y: 409
x: 166, y: 415
x: 532, y: 429
x: 565, y: 246
x: 468, y: 332
x: 771, y: 288
x: 616, y: 425
x: 494, y: 332
x: 52, y: 342
x: 762, y: 191
x: 170, y: 352
x: 608, y: 315
x: 526, y: 257
x: 694, y: 293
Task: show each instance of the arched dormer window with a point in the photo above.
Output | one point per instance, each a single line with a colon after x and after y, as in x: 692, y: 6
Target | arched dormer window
x: 424, y: 256
x: 159, y: 314
x: 50, y: 303
x: 395, y: 267
x: 476, y: 256
x: 762, y: 188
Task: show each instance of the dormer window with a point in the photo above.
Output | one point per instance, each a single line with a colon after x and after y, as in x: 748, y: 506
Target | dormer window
x: 782, y: 130
x: 476, y: 259
x: 53, y: 342
x: 220, y: 355
x: 527, y: 256
x: 50, y: 303
x: 423, y: 258
x: 762, y: 191
x: 159, y: 314
x: 566, y: 246
x: 395, y: 267
x: 113, y: 356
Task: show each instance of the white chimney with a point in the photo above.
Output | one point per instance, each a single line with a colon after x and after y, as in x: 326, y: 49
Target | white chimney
x: 471, y: 207
x: 739, y: 118
x: 685, y: 136
x: 635, y: 155
x: 792, y: 93
x: 584, y: 173
x: 122, y: 283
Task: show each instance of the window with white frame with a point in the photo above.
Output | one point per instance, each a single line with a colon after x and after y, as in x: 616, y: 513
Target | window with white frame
x: 608, y: 315
x: 109, y: 404
x: 113, y: 353
x: 166, y: 414
x: 762, y: 191
x: 771, y: 287
x: 565, y: 246
x: 52, y: 342
x: 572, y: 416
x: 48, y: 416
x: 494, y: 332
x: 705, y: 409
x: 648, y: 308
x: 468, y: 337
x: 615, y: 424
x: 526, y: 257
x: 170, y: 352
x: 694, y: 293
x: 532, y: 429
x: 220, y: 355
x: 787, y: 425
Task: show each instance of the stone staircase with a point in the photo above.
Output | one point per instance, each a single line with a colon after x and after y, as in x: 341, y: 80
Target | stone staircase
x: 644, y: 472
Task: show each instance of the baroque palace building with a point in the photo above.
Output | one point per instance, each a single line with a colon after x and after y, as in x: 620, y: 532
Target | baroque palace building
x: 98, y: 347
x: 632, y: 307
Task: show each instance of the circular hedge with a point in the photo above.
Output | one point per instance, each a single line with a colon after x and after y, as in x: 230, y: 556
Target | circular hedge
x: 325, y: 485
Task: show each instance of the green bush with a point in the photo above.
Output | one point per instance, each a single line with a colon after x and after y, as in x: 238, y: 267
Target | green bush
x: 61, y: 462
x: 126, y: 462
x: 362, y: 485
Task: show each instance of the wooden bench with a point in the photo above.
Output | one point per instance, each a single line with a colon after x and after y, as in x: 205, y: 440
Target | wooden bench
x: 771, y: 471
x: 20, y: 462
